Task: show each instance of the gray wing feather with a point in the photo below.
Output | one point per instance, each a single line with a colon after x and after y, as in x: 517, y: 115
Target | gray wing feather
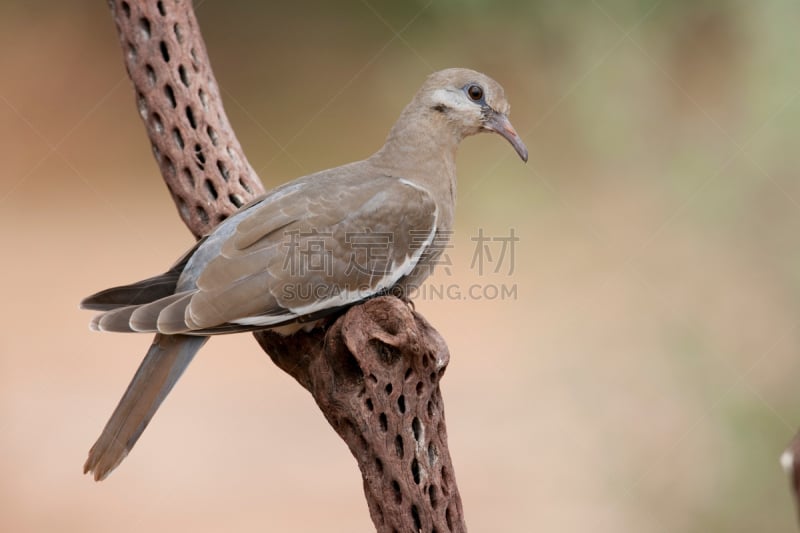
x: 240, y: 277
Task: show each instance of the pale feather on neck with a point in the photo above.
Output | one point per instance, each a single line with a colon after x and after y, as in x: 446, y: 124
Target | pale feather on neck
x: 420, y: 139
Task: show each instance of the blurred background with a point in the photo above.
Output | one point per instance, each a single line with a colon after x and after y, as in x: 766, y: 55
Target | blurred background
x: 643, y: 379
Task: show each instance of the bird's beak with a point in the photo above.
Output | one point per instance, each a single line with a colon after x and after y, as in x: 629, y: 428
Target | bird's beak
x: 499, y: 123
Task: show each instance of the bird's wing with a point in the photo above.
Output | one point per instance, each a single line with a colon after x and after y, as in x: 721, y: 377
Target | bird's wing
x: 319, y: 247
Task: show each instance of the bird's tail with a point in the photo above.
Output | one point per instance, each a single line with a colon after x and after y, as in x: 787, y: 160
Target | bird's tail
x: 167, y: 358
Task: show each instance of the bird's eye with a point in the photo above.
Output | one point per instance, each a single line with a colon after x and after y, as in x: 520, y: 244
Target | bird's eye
x: 475, y: 92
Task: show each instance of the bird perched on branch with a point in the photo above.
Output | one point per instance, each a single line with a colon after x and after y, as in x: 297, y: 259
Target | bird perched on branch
x: 304, y: 250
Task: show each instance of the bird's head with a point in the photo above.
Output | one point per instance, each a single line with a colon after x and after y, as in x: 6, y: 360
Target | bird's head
x: 470, y: 102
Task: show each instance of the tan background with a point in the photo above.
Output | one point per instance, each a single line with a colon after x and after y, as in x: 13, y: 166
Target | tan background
x: 645, y: 379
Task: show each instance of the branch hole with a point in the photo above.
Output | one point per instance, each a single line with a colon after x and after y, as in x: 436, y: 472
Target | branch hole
x: 212, y: 134
x: 187, y: 175
x: 430, y: 409
x: 211, y: 190
x: 401, y: 404
x: 200, y: 158
x: 433, y: 454
x: 126, y: 8
x: 220, y: 219
x: 398, y: 496
x: 346, y: 371
x: 183, y: 209
x: 388, y: 389
x: 232, y: 153
x: 445, y: 481
x: 448, y: 517
x: 387, y: 354
x: 144, y: 28
x: 203, y: 98
x: 202, y: 214
x: 420, y: 388
x: 398, y: 446
x: 383, y: 422
x: 408, y: 374
x: 182, y: 74
x: 161, y: 10
x: 425, y: 361
x: 156, y: 153
x: 131, y: 51
x: 223, y: 170
x: 236, y: 200
x: 170, y: 166
x: 415, y: 517
x: 370, y: 406
x: 379, y: 465
x: 432, y: 377
x: 416, y: 428
x: 415, y: 470
x: 170, y: 95
x: 178, y: 138
x: 164, y: 51
x: 158, y: 125
x: 190, y: 117
x: 432, y: 496
x: 246, y: 187
x: 178, y: 32
x: 151, y: 74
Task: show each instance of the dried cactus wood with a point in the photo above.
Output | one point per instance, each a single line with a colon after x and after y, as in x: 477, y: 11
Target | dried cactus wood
x: 374, y: 372
x: 375, y: 375
x: 178, y: 99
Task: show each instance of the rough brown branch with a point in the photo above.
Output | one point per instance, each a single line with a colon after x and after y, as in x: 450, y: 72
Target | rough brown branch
x: 178, y: 99
x: 375, y: 375
x: 374, y: 371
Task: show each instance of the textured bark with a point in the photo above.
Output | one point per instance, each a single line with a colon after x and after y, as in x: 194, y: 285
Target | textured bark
x: 374, y: 371
x: 375, y: 375
x: 178, y: 99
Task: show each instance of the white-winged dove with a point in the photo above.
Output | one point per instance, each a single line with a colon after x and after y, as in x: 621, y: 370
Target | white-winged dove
x: 306, y: 249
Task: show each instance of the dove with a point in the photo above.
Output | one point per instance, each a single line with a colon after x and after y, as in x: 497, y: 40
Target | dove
x: 304, y: 250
